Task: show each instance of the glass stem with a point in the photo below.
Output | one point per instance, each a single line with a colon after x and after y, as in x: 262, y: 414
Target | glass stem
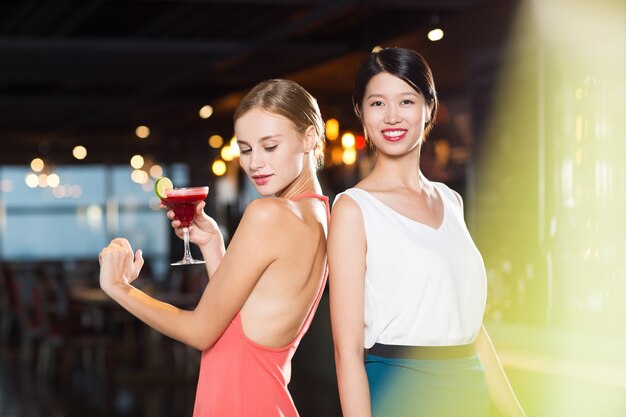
x: 187, y: 255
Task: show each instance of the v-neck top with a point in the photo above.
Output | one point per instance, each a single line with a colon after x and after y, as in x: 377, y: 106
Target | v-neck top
x: 424, y: 286
x: 239, y: 377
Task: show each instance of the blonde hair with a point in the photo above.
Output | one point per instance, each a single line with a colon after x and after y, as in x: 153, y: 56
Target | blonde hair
x: 288, y: 99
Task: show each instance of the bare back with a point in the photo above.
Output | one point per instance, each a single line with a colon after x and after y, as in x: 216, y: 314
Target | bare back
x: 282, y: 298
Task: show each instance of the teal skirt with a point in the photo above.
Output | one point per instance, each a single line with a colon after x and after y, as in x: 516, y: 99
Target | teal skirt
x: 428, y: 388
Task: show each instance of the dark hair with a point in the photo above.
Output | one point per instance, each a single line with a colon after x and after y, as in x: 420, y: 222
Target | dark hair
x: 288, y: 99
x: 403, y: 63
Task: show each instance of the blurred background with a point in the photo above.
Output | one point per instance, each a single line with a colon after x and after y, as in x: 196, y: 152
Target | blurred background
x: 98, y: 98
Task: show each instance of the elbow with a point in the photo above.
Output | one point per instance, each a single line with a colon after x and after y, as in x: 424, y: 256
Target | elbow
x: 346, y: 355
x: 201, y: 343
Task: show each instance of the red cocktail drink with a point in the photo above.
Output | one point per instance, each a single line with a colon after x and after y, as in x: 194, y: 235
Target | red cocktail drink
x: 183, y: 201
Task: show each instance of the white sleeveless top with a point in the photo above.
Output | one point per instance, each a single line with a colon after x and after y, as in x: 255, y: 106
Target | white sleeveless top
x: 423, y: 286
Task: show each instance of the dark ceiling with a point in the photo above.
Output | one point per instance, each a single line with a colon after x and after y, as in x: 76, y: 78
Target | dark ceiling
x: 89, y: 71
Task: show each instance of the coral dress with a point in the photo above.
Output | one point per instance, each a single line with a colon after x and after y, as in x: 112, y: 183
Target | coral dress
x: 240, y: 378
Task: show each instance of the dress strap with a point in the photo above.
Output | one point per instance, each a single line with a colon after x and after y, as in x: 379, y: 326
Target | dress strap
x: 323, y: 198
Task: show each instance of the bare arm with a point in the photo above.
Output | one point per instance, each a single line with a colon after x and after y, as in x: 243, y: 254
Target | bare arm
x: 498, y: 385
x: 346, y: 258
x: 253, y: 248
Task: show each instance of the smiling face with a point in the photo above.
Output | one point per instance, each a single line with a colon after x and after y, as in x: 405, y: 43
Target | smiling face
x: 393, y: 114
x: 272, y: 150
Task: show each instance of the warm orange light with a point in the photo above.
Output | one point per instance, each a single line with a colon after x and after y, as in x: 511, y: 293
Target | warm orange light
x: 227, y: 153
x: 37, y: 164
x: 347, y: 140
x: 139, y: 176
x: 156, y: 171
x: 332, y: 129
x: 79, y: 152
x: 336, y: 155
x: 349, y: 156
x: 142, y: 132
x: 218, y: 167
x: 137, y: 161
x: 206, y: 111
x: 234, y: 146
x: 216, y: 141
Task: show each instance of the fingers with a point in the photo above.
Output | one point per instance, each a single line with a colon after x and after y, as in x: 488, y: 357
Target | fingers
x: 123, y: 243
x: 139, y: 261
x: 176, y: 225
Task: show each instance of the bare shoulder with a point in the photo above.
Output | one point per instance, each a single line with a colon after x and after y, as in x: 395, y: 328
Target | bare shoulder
x: 345, y: 217
x: 272, y: 214
x: 267, y: 212
x: 345, y: 206
x: 266, y: 208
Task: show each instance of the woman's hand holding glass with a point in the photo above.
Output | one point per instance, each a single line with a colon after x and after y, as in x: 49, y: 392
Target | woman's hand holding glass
x: 203, y: 230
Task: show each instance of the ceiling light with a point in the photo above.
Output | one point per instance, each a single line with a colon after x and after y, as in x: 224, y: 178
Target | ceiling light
x: 216, y: 141
x: 206, y: 111
x: 142, y: 132
x: 435, y: 34
x: 79, y: 152
x: 37, y: 164
x: 218, y: 167
x: 136, y: 161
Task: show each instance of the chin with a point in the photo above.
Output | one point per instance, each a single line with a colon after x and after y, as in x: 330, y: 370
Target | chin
x: 266, y: 191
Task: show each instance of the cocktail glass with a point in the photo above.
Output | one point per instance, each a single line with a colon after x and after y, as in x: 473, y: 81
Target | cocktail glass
x: 183, y: 202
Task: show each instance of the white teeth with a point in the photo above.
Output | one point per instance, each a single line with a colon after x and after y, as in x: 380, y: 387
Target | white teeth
x: 394, y: 133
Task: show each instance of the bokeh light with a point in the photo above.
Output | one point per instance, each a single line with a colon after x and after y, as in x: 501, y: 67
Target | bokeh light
x: 137, y: 161
x: 218, y: 167
x: 435, y: 35
x: 205, y: 111
x: 37, y: 164
x: 216, y: 141
x: 332, y: 129
x: 79, y: 152
x: 142, y: 132
x: 348, y: 140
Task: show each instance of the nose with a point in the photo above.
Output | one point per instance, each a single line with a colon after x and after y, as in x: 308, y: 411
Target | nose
x: 392, y: 115
x: 256, y: 160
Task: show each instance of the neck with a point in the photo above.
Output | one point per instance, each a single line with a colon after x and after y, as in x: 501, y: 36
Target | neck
x: 306, y: 182
x: 399, y: 171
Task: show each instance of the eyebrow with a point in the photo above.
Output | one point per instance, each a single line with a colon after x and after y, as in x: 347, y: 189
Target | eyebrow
x: 264, y: 138
x: 404, y: 93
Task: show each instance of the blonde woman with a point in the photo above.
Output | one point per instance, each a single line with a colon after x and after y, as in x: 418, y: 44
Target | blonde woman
x: 264, y: 289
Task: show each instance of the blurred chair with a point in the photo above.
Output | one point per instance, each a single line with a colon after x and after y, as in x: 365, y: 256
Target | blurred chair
x: 28, y: 304
x: 67, y: 332
x: 9, y: 312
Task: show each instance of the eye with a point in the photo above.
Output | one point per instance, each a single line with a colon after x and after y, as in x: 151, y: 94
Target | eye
x: 376, y: 103
x: 407, y: 101
x: 271, y: 148
x: 244, y: 151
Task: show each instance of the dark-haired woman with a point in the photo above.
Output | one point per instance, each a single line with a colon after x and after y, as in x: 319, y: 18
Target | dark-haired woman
x: 408, y: 285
